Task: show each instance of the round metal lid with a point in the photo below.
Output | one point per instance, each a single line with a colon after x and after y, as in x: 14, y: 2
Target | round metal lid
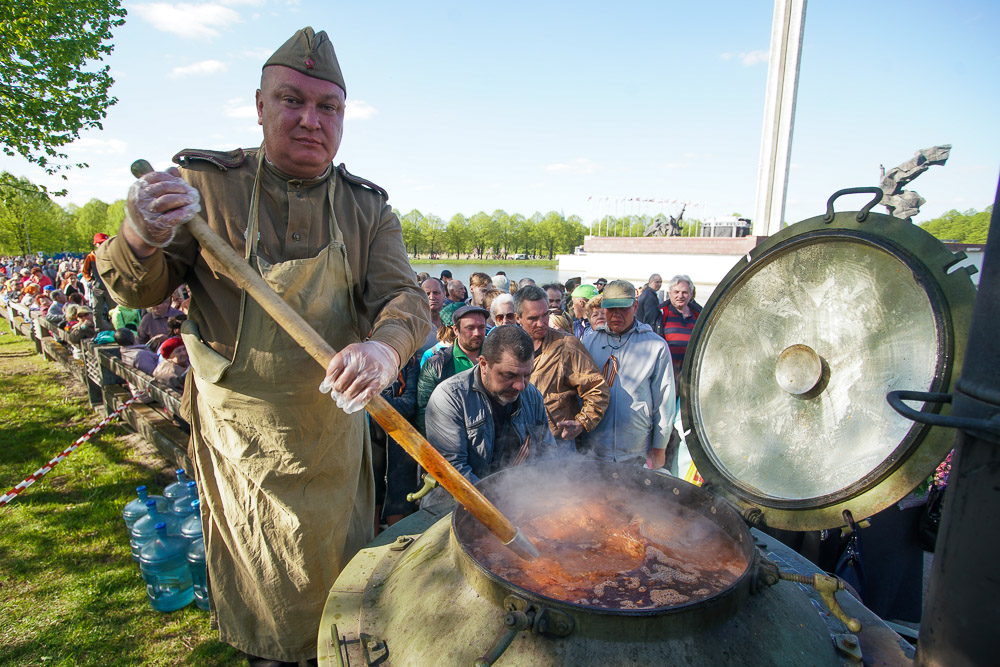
x: 785, y: 378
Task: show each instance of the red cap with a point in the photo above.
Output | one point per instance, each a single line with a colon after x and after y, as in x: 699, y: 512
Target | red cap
x: 99, y: 238
x: 169, y: 345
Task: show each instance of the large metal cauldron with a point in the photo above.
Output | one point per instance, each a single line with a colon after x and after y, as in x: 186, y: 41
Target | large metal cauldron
x: 807, y: 336
x: 653, y: 497
x: 428, y: 601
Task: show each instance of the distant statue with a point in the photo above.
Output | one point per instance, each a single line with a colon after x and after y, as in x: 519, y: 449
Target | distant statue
x: 663, y: 227
x: 902, y: 203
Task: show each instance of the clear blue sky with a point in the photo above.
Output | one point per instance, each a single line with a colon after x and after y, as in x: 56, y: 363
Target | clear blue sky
x: 461, y: 107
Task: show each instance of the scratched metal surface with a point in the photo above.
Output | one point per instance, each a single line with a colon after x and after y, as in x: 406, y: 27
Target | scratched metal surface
x: 860, y: 309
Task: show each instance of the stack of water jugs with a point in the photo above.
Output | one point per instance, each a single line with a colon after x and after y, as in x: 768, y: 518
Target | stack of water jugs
x: 166, y: 540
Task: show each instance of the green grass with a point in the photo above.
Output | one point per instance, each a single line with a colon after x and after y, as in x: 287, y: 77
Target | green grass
x: 70, y: 593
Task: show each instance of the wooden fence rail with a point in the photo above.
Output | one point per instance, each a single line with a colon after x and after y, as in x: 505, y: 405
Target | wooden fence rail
x: 101, y: 370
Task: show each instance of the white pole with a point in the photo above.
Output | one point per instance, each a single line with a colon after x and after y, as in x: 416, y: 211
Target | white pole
x: 779, y: 114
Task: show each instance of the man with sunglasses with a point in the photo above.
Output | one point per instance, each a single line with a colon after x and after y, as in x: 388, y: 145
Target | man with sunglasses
x: 572, y: 387
x: 635, y: 362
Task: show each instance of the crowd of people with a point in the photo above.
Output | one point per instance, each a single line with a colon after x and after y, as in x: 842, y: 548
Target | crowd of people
x: 495, y: 373
x: 592, y: 355
x: 69, y: 295
x: 514, y: 371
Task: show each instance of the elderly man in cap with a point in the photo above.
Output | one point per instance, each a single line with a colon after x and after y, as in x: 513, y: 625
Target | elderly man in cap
x: 580, y: 296
x: 635, y: 362
x: 285, y: 475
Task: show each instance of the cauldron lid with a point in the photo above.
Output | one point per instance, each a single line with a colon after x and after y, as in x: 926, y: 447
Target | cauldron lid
x: 785, y: 379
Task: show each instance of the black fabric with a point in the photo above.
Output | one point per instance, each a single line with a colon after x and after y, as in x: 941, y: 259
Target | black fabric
x: 930, y: 519
x: 850, y: 567
x: 890, y: 556
x: 396, y: 473
x: 505, y: 445
x: 649, y: 311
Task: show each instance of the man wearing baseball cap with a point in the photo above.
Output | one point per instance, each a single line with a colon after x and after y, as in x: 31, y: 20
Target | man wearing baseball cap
x: 635, y: 362
x: 580, y: 296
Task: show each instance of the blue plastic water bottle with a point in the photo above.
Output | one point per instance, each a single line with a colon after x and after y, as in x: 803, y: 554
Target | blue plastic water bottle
x: 135, y: 509
x: 191, y: 526
x: 199, y: 572
x: 164, y: 566
x: 181, y: 508
x: 177, y: 489
x: 144, y: 530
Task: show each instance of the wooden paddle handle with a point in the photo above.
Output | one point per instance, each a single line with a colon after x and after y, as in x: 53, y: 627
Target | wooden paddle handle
x: 400, y: 430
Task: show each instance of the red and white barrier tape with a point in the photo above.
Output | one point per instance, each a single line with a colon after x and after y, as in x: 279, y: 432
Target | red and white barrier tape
x: 41, y: 472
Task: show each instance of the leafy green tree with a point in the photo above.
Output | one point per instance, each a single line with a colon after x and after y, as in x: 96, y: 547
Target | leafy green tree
x: 479, y: 232
x: 29, y: 220
x: 116, y: 214
x: 534, y: 237
x: 49, y: 88
x: 549, y: 232
x: 413, y: 237
x: 574, y: 231
x: 457, y: 234
x: 434, y: 230
x: 972, y: 226
x: 520, y: 233
x: 691, y: 227
x: 497, y: 232
x: 91, y: 219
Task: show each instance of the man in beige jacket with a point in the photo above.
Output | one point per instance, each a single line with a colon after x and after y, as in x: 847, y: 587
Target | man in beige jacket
x: 572, y: 386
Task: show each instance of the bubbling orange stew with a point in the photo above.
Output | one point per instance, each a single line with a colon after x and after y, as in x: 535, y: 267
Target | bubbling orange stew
x: 601, y: 554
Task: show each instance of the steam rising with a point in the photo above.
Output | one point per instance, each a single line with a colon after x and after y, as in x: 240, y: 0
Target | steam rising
x: 610, y: 536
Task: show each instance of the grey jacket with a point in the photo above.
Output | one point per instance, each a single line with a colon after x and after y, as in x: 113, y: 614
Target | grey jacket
x: 640, y: 414
x: 459, y: 422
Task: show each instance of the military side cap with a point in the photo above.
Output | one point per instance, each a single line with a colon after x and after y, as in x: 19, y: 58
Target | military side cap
x: 311, y: 54
x: 618, y: 294
x: 585, y: 291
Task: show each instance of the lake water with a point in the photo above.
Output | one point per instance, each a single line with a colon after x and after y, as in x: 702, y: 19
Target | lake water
x: 514, y: 270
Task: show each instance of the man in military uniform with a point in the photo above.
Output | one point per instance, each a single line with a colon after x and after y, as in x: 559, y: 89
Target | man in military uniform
x: 284, y: 475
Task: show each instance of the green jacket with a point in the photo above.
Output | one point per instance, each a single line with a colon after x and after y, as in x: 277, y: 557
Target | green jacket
x: 444, y: 363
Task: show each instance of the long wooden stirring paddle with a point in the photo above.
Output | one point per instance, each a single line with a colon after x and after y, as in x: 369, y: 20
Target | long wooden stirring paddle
x: 394, y: 424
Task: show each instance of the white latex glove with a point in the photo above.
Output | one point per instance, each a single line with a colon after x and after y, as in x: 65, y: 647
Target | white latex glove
x: 158, y: 203
x: 358, y: 373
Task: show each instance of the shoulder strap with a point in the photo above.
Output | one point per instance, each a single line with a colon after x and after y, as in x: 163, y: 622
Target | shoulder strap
x: 357, y: 180
x: 224, y: 160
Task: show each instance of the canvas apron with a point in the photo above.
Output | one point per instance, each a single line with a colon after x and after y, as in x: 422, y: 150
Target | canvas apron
x: 285, y: 475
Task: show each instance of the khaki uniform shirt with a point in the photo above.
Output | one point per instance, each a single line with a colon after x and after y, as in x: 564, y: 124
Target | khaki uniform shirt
x: 391, y: 307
